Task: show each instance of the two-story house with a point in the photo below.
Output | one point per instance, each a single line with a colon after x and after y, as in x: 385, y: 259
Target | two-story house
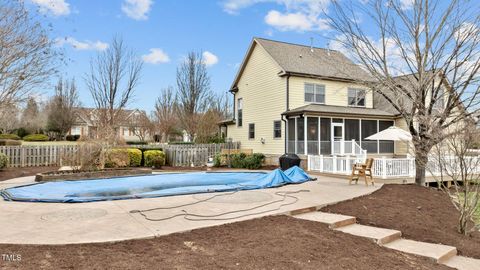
x: 300, y: 99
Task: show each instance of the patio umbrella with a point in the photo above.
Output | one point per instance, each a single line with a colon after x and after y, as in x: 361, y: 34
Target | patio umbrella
x: 391, y: 134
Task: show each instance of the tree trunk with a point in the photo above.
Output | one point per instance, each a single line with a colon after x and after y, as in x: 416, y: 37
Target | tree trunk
x: 420, y: 163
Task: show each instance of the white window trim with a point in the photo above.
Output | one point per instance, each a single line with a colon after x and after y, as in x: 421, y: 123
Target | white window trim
x: 314, y: 95
x: 356, y: 97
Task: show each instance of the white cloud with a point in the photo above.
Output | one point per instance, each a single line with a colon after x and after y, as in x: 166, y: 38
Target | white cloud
x: 298, y: 15
x: 82, y: 45
x: 137, y: 9
x: 55, y: 7
x: 209, y: 58
x: 156, y: 56
x: 294, y: 21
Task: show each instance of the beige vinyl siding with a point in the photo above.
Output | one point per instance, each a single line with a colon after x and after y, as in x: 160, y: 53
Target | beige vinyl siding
x: 264, y: 100
x: 336, y: 93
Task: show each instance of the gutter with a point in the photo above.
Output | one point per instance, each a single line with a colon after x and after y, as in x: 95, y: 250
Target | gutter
x: 288, y: 109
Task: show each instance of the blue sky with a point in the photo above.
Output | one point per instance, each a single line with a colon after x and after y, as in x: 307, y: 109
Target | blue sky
x: 162, y: 32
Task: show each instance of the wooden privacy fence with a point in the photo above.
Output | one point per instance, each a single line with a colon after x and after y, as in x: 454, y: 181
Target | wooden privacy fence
x: 37, y: 155
x: 53, y: 155
x: 195, y: 154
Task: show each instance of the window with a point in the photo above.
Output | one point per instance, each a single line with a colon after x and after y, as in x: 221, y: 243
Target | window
x: 385, y: 146
x: 352, y: 129
x: 356, y: 97
x: 251, y: 131
x: 239, y: 112
x: 277, y: 129
x: 314, y: 93
x: 291, y: 135
x: 369, y: 127
x: 440, y: 102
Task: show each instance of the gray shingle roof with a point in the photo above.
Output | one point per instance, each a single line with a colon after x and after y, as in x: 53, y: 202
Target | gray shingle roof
x: 301, y: 59
x: 330, y: 109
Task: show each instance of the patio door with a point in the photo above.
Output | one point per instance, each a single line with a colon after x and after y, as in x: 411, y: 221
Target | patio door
x: 337, y: 138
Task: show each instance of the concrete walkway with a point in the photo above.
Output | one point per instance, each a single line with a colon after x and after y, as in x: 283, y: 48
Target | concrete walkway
x: 57, y: 223
x: 392, y: 239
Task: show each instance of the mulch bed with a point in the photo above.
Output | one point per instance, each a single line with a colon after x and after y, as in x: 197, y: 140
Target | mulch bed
x: 10, y: 173
x: 420, y: 213
x: 278, y: 242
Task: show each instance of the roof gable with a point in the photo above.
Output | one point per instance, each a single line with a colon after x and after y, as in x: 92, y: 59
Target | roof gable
x: 303, y: 60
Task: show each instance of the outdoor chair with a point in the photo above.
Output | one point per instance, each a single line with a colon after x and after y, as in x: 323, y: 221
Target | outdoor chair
x: 365, y: 170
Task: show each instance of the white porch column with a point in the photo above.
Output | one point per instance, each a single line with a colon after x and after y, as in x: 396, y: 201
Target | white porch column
x: 305, y: 135
x: 295, y: 142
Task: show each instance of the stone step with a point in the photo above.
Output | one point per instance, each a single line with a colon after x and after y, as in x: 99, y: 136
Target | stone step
x: 332, y: 220
x: 463, y: 263
x: 439, y: 253
x: 380, y: 236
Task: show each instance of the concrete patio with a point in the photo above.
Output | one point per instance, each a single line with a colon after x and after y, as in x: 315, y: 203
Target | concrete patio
x: 58, y: 223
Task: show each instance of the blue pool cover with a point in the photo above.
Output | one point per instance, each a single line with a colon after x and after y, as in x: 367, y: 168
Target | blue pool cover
x: 156, y: 185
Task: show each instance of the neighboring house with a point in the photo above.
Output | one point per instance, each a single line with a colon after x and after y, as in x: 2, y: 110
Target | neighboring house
x: 130, y: 128
x: 290, y: 98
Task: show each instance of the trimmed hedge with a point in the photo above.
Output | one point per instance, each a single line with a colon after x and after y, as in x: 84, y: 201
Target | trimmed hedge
x: 4, y: 142
x: 154, y: 158
x: 3, y: 161
x: 117, y: 158
x: 36, y: 138
x: 243, y: 161
x: 136, y: 143
x: 135, y: 156
x: 72, y: 138
x: 9, y: 136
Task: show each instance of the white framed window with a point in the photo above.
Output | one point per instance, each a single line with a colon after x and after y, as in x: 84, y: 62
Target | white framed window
x: 240, y: 112
x: 76, y: 130
x: 356, y: 97
x: 251, y: 131
x: 314, y: 93
x: 277, y: 129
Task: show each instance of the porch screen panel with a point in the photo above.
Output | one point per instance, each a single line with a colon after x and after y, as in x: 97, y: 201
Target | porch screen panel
x: 312, y: 135
x: 386, y: 147
x: 369, y: 127
x: 325, y: 143
x: 352, y: 130
x: 300, y: 135
x: 291, y: 135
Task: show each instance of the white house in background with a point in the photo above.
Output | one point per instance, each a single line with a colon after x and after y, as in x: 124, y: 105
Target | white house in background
x: 127, y: 128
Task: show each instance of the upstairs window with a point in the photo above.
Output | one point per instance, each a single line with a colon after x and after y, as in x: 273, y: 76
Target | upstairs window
x: 277, y: 129
x: 440, y: 102
x: 251, y: 131
x: 314, y: 93
x: 356, y: 97
x: 239, y: 112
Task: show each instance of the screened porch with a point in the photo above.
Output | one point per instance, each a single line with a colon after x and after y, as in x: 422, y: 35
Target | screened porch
x: 319, y: 135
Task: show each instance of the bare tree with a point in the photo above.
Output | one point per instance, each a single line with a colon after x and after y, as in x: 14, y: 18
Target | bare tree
x: 113, y: 78
x: 9, y: 118
x: 453, y: 162
x: 165, y: 114
x: 193, y: 83
x: 141, y: 126
x: 26, y: 54
x: 61, y: 108
x: 218, y: 110
x: 33, y: 117
x: 424, y: 61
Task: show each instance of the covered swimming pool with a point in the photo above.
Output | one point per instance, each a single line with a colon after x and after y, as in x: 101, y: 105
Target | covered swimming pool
x: 148, y: 186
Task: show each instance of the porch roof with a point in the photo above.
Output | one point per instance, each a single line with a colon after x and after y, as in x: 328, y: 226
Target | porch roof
x: 338, y: 110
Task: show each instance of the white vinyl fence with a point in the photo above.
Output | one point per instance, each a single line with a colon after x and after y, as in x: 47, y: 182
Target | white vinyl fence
x: 53, y: 155
x: 393, y: 167
x: 382, y: 167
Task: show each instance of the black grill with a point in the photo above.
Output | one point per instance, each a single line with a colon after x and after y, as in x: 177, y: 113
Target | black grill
x: 289, y: 160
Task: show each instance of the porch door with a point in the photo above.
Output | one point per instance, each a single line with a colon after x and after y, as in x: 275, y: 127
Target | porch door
x: 337, y: 138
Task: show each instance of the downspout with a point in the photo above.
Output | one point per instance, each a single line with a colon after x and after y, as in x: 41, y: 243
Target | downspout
x: 288, y: 108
